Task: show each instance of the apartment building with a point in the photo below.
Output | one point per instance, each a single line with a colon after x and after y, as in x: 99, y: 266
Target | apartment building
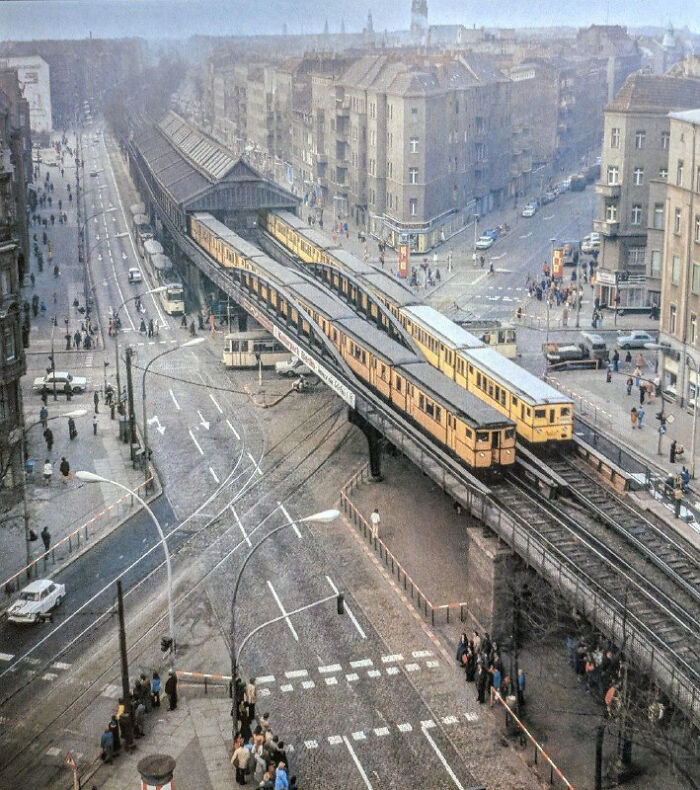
x: 15, y: 171
x: 680, y: 290
x: 635, y: 154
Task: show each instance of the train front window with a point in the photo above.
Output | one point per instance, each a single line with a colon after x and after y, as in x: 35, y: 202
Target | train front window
x: 509, y: 433
x: 482, y: 436
x: 565, y: 412
x: 540, y: 414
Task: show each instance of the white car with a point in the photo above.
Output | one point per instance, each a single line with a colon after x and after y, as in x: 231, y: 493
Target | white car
x: 135, y: 275
x: 292, y: 367
x: 36, y: 601
x: 61, y: 377
x: 530, y: 210
x: 484, y: 243
x: 635, y: 339
x: 590, y: 243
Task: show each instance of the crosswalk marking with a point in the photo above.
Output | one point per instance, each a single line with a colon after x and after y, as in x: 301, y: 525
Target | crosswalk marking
x: 263, y: 692
x: 428, y: 724
x: 405, y: 727
x: 330, y: 668
x: 287, y: 687
x: 53, y: 751
x: 365, y: 662
x: 449, y: 720
x: 359, y: 736
x: 49, y: 676
x: 334, y: 740
x: 392, y: 659
x: 411, y: 667
x: 265, y: 679
x: 308, y: 684
x: 471, y: 717
x: 311, y: 744
x: 380, y: 732
x: 373, y: 673
x: 392, y: 671
x: 6, y: 657
x: 331, y: 681
x: 297, y: 673
x: 422, y: 653
x: 432, y: 664
x: 352, y: 677
x: 60, y: 665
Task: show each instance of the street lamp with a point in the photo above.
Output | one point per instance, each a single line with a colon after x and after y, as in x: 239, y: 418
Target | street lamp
x: 194, y: 342
x: 324, y: 517
x: 689, y: 359
x: 91, y: 477
x: 23, y: 462
x: 552, y: 242
x: 157, y: 290
x: 661, y: 416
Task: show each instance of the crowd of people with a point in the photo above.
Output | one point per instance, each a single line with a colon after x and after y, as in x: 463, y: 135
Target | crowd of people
x: 258, y: 753
x: 480, y: 658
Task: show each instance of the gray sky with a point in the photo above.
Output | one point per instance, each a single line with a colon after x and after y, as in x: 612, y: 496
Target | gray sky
x: 27, y: 19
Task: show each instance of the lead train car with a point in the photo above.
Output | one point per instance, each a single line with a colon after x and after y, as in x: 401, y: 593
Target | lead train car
x: 542, y: 414
x: 470, y: 430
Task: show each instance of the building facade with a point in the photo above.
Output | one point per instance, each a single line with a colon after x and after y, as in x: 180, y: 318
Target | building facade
x: 15, y: 170
x: 635, y: 154
x: 35, y: 81
x: 680, y: 295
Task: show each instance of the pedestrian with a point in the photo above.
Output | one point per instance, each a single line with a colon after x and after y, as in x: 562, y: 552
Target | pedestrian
x: 46, y: 538
x: 94, y: 425
x: 48, y: 472
x: 107, y: 746
x: 630, y: 383
x: 616, y: 360
x: 496, y: 678
x: 139, y: 718
x: 142, y: 327
x: 65, y: 470
x: 640, y: 416
x: 628, y: 361
x: 640, y: 360
x: 239, y: 760
x: 375, y: 521
x: 250, y: 697
x: 171, y: 690
x: 146, y: 693
x: 96, y: 401
x: 608, y: 375
x: 481, y: 679
x: 72, y: 430
x: 521, y: 687
x: 281, y: 781
x: 114, y: 729
x: 155, y: 690
x: 68, y: 391
x: 43, y: 416
x: 637, y: 376
x: 77, y: 339
x: 68, y: 339
x: 672, y: 451
x: 150, y: 327
x: 677, y: 499
x: 633, y: 417
x: 642, y: 393
x: 48, y: 437
x: 565, y: 316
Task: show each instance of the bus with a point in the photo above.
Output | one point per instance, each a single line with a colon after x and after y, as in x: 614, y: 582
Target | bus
x: 173, y: 297
x: 250, y: 349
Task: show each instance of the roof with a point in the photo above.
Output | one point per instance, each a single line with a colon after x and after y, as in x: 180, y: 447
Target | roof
x: 516, y: 379
x: 323, y: 301
x: 689, y: 116
x: 393, y: 289
x: 153, y: 247
x: 453, y: 397
x: 450, y: 334
x: 206, y: 154
x: 653, y: 93
x: 375, y: 340
x: 38, y: 585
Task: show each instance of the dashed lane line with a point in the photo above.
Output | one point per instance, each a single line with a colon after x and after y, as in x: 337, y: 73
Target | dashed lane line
x: 442, y: 759
x: 177, y: 405
x: 277, y: 599
x: 221, y: 411
x: 235, y: 432
x: 240, y: 525
x: 358, y: 764
x: 213, y: 474
x: 349, y: 611
x: 196, y: 443
x: 290, y: 520
x: 255, y: 463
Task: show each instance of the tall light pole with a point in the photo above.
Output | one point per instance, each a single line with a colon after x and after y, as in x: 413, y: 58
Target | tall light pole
x: 688, y: 360
x: 476, y: 228
x: 91, y: 477
x: 324, y: 517
x: 23, y: 462
x: 552, y: 242
x: 195, y: 341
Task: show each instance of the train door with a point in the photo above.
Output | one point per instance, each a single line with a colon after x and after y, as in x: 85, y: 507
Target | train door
x: 451, y: 436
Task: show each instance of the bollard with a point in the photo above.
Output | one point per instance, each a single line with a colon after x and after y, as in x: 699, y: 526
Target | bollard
x: 156, y: 772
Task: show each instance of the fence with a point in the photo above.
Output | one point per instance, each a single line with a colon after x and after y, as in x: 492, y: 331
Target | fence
x: 73, y: 541
x: 598, y: 415
x: 418, y: 597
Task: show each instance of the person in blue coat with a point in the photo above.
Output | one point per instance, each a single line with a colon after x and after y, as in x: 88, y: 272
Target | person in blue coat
x: 281, y: 781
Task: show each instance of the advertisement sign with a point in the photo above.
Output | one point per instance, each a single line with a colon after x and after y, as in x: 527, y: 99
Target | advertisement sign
x: 557, y: 263
x: 403, y: 260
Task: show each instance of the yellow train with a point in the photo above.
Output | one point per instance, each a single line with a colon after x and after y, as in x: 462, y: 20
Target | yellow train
x: 473, y: 432
x: 540, y: 412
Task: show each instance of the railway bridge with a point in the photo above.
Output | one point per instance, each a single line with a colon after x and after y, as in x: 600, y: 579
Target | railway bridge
x: 653, y: 650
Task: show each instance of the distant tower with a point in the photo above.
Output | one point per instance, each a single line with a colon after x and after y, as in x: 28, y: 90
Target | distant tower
x: 419, y: 17
x: 342, y: 26
x: 370, y: 26
x: 284, y: 29
x: 325, y: 28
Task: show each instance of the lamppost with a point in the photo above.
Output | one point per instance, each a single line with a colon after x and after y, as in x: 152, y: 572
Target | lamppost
x: 661, y: 416
x: 324, y: 517
x: 476, y: 230
x: 157, y: 290
x: 23, y: 462
x: 194, y: 342
x: 552, y: 242
x: 688, y: 360
x: 91, y: 477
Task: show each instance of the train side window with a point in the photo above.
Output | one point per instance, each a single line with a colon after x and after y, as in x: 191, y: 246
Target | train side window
x: 478, y: 379
x: 384, y: 372
x: 503, y: 397
x: 467, y: 432
x: 540, y: 414
x: 398, y: 383
x: 565, y: 411
x: 438, y: 414
x: 471, y: 368
x: 421, y: 402
x: 429, y: 409
x: 497, y: 392
x: 335, y: 336
x: 552, y: 415
x: 510, y: 433
x: 490, y: 390
x: 364, y: 358
x: 514, y: 401
x: 482, y: 436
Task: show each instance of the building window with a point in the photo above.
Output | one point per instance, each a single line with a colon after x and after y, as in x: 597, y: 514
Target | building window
x: 655, y: 263
x: 9, y: 344
x: 697, y: 180
x: 663, y: 173
x: 677, y: 221
x: 679, y: 173
x: 638, y: 176
x: 675, y: 270
x: 697, y: 228
x: 615, y: 137
x: 658, y: 216
x: 611, y: 212
x: 672, y: 312
x: 413, y: 145
x: 413, y: 207
x: 693, y: 328
x: 613, y: 175
x: 639, y: 138
x: 414, y: 114
x: 4, y: 406
x: 4, y: 282
x: 696, y: 278
x: 412, y: 175
x: 637, y: 214
x: 665, y: 139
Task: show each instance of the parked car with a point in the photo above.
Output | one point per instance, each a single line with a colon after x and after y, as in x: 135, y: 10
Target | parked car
x: 556, y: 353
x: 36, y: 601
x: 494, y: 233
x: 45, y: 383
x: 484, y: 242
x: 635, y: 339
x: 292, y: 367
x: 590, y: 243
x: 135, y: 275
x: 565, y: 185
x: 530, y: 210
x: 549, y: 196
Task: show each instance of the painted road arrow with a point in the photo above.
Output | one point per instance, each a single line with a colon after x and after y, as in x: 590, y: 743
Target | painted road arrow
x: 160, y: 428
x: 203, y: 422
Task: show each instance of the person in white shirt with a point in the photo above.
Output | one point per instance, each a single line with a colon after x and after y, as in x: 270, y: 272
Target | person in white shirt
x: 375, y: 521
x: 48, y: 472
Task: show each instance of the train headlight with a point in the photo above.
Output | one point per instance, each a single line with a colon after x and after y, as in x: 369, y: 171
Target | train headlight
x: 481, y: 454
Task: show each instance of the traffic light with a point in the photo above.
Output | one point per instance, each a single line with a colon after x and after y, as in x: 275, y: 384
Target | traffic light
x: 166, y: 643
x: 340, y: 601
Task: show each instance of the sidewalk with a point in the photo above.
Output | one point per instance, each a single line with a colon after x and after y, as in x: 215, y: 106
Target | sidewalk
x: 65, y: 508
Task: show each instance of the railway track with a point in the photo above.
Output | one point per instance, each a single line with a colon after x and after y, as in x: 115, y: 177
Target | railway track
x: 650, y: 607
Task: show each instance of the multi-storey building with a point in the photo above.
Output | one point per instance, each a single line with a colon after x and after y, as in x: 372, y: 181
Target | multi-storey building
x: 635, y: 153
x: 15, y: 170
x: 680, y: 294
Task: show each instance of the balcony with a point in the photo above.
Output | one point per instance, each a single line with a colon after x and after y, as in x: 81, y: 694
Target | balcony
x: 10, y: 371
x: 608, y: 190
x: 606, y: 227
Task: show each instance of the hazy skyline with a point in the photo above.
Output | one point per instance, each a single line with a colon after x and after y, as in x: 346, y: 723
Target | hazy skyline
x: 40, y: 19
